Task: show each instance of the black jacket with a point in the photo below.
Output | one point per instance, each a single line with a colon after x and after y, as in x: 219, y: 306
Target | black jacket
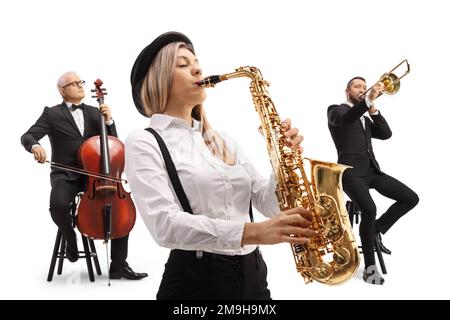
x: 57, y: 122
x: 353, y: 142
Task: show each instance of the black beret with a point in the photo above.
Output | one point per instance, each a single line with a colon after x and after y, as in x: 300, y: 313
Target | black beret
x: 144, y: 60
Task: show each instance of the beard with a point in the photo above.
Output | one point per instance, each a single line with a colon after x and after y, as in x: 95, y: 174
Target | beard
x: 355, y: 98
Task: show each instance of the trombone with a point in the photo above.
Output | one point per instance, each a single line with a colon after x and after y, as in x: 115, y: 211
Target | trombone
x: 391, y: 81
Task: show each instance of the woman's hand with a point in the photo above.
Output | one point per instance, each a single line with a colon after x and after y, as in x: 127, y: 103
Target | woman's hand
x: 293, y: 139
x: 289, y: 226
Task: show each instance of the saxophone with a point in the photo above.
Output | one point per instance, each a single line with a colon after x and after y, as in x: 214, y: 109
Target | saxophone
x: 331, y: 256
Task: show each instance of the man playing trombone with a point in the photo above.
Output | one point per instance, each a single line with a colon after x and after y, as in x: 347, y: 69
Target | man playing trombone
x: 352, y: 132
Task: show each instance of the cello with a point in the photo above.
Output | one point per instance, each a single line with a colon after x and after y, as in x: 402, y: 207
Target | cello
x: 106, y: 211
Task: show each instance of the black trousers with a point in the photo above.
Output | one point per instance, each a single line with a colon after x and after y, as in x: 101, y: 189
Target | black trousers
x: 214, y: 276
x: 61, y: 197
x: 357, y: 189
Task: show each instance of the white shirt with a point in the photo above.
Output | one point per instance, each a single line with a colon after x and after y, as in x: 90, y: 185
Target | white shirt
x: 219, y: 194
x: 369, y: 105
x: 77, y: 116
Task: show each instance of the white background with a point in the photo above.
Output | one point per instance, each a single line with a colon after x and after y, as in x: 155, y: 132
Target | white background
x: 306, y: 49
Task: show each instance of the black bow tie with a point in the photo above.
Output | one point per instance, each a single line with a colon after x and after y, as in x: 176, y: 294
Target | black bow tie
x: 76, y: 106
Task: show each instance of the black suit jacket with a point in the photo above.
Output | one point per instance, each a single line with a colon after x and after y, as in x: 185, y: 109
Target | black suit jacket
x: 353, y: 142
x: 57, y: 122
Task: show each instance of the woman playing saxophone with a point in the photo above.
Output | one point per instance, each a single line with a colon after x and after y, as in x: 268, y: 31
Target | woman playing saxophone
x: 206, y: 219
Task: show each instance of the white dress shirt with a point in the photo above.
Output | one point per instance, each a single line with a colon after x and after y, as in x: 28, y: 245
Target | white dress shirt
x: 369, y: 105
x: 77, y: 116
x: 219, y: 194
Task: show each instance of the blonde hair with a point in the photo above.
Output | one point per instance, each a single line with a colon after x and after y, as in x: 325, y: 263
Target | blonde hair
x: 155, y: 92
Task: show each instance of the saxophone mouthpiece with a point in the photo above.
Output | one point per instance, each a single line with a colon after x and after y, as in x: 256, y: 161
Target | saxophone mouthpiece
x: 210, y: 82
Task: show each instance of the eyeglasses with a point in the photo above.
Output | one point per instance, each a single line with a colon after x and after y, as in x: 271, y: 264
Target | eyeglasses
x: 75, y: 84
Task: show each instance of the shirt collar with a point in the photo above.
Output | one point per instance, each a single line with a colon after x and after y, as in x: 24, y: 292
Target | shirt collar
x: 70, y: 104
x: 348, y: 103
x: 163, y: 121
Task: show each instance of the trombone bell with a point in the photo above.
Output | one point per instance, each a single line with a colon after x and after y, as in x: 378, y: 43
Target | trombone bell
x: 391, y: 83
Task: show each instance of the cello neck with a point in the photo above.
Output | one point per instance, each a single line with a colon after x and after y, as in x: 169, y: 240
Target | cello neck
x: 104, y: 148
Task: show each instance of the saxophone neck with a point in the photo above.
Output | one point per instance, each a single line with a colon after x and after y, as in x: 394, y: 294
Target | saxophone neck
x: 249, y: 72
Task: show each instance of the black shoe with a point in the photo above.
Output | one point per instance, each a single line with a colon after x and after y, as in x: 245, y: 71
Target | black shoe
x: 380, y: 243
x: 127, y: 273
x: 372, y: 276
x: 72, y: 250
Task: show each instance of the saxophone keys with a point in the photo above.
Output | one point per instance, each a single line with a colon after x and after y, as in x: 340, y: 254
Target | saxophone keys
x: 341, y: 256
x: 322, y: 270
x: 325, y: 207
x: 333, y: 233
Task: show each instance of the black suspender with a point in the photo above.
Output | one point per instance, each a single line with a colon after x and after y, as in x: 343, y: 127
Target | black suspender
x: 172, y: 170
x: 173, y: 175
x: 250, y: 212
